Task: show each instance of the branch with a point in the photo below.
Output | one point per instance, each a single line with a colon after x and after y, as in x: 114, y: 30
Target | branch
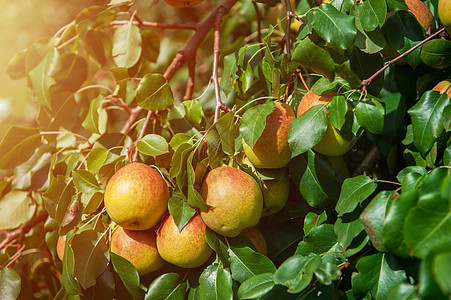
x: 286, y: 37
x: 157, y: 25
x: 369, y: 162
x: 191, y: 79
x: 367, y: 81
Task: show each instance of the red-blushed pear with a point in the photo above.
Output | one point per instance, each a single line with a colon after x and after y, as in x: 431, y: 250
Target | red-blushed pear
x: 136, y: 197
x: 422, y: 13
x: 332, y: 143
x: 235, y: 200
x: 182, y: 3
x: 187, y: 248
x: 443, y: 87
x: 60, y: 247
x: 272, y: 151
x: 138, y: 247
x: 444, y: 14
x: 257, y: 239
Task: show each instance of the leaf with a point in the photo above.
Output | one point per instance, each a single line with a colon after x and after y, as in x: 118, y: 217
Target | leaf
x: 297, y: 272
x: 319, y: 240
x: 354, y: 191
x: 91, y: 257
x: 373, y: 218
x: 313, y: 220
x: 92, y: 120
x: 337, y: 109
x: 256, y: 286
x: 9, y: 284
x: 218, y: 245
x: 372, y: 14
x: 426, y: 119
x: 86, y: 182
x: 311, y: 56
x: 127, y: 45
x: 58, y: 197
x: 215, y: 283
x: 332, y: 25
x: 17, y: 145
x: 128, y: 274
x: 227, y: 131
x: 152, y: 145
x: 253, y: 122
x: 436, y: 53
x: 41, y: 76
x: 154, y: 93
x: 166, y: 286
x: 16, y: 209
x: 346, y: 230
x: 370, y: 114
x: 246, y: 263
x: 194, y: 112
x: 402, y: 291
x: 377, y: 274
x: 96, y: 158
x: 307, y: 130
x: 364, y: 65
x: 68, y: 280
x: 180, y: 209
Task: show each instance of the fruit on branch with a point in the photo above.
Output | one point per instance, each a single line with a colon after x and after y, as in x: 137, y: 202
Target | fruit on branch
x: 272, y: 151
x: 136, y: 197
x: 235, y: 200
x: 257, y: 239
x: 187, y: 248
x: 139, y: 247
x: 422, y: 13
x: 275, y: 194
x: 182, y: 3
x: 61, y: 246
x: 332, y: 143
x: 444, y: 14
x: 443, y: 87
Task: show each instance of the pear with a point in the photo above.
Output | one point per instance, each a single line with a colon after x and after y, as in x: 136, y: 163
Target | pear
x: 136, y: 197
x: 275, y: 194
x: 272, y: 151
x: 444, y: 14
x: 235, y: 200
x: 187, y: 248
x: 139, y: 247
x: 332, y: 143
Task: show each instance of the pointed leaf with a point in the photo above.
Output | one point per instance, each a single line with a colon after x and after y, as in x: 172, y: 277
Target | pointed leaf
x: 16, y: 208
x: 9, y: 284
x: 128, y: 274
x: 166, y: 286
x: 86, y: 182
x: 127, y: 45
x: 354, y: 191
x: 246, y: 263
x: 372, y: 14
x: 92, y: 120
x: 215, y: 283
x: 41, y: 77
x: 18, y: 144
x: 58, y: 197
x: 370, y: 114
x: 256, y: 286
x: 253, y: 122
x: 154, y: 93
x: 152, y: 145
x: 180, y: 209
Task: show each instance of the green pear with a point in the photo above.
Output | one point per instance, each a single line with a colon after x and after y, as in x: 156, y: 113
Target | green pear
x: 139, y: 247
x: 272, y: 151
x: 235, y: 200
x: 187, y: 248
x: 136, y: 197
x: 275, y: 194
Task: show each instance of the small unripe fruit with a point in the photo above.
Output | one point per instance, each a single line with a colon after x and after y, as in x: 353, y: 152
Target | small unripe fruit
x: 136, y: 197
x: 139, y: 247
x: 187, y: 248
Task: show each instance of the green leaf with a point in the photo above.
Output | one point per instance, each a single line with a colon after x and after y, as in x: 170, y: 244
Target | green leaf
x: 372, y: 14
x: 96, y: 158
x: 58, y: 197
x: 313, y: 220
x: 215, y: 283
x: 428, y: 282
x: 41, y: 77
x: 194, y: 198
x: 152, y: 145
x: 307, y: 130
x: 256, y: 286
x: 16, y: 208
x: 86, y: 182
x: 93, y: 120
x: 180, y: 138
x: 378, y: 273
x: 402, y: 291
x: 180, y: 209
x: 227, y: 131
x: 373, y: 218
x: 354, y: 191
x: 9, y: 284
x: 346, y: 230
x: 91, y: 257
x: 246, y: 263
x: 128, y: 275
x: 320, y: 240
x: 311, y: 56
x: 297, y: 272
x: 370, y: 114
x: 218, y: 245
x: 364, y: 65
x: 194, y: 112
x: 154, y: 93
x: 337, y: 109
x: 17, y: 145
x: 332, y: 25
x: 68, y: 280
x: 127, y: 45
x: 436, y: 53
x: 253, y: 122
x: 166, y: 286
x: 426, y: 119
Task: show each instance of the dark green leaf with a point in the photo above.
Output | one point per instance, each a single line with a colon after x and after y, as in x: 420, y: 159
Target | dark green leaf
x: 436, y: 53
x: 180, y: 209
x: 372, y: 14
x: 354, y: 191
x: 218, y: 245
x: 152, y: 145
x: 337, y: 108
x: 128, y: 274
x: 253, y: 122
x: 320, y: 240
x: 164, y: 287
x: 256, y: 286
x: 246, y: 263
x: 402, y: 291
x: 347, y: 230
x: 365, y: 65
x: 154, y: 93
x: 370, y: 114
x: 9, y: 284
x: 215, y: 283
x: 313, y: 220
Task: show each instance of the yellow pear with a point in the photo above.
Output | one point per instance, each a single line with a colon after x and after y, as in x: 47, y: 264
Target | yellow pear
x: 235, y: 200
x: 136, y: 197
x: 444, y: 14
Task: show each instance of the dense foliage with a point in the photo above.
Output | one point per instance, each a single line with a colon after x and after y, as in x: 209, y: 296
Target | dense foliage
x: 182, y: 90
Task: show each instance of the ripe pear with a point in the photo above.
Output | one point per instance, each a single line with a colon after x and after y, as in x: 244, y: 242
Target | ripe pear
x: 275, y: 194
x: 139, y: 247
x: 332, y: 143
x: 444, y: 14
x: 136, y: 197
x: 422, y: 13
x: 235, y: 200
x: 61, y: 246
x: 257, y: 239
x: 187, y: 248
x: 182, y: 3
x: 272, y: 151
x: 443, y: 87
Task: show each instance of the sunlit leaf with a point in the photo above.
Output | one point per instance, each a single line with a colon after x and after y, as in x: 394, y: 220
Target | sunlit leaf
x: 180, y: 209
x: 372, y: 14
x: 86, y: 182
x: 17, y: 145
x: 166, y: 286
x: 154, y: 93
x: 246, y: 263
x: 41, y: 77
x: 253, y: 122
x: 128, y: 275
x: 16, y: 208
x: 9, y: 284
x: 152, y: 144
x: 354, y: 191
x: 256, y: 286
x: 127, y: 45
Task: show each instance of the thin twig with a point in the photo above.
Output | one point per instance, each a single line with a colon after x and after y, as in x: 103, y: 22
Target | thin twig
x: 150, y: 116
x: 191, y: 79
x: 286, y: 37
